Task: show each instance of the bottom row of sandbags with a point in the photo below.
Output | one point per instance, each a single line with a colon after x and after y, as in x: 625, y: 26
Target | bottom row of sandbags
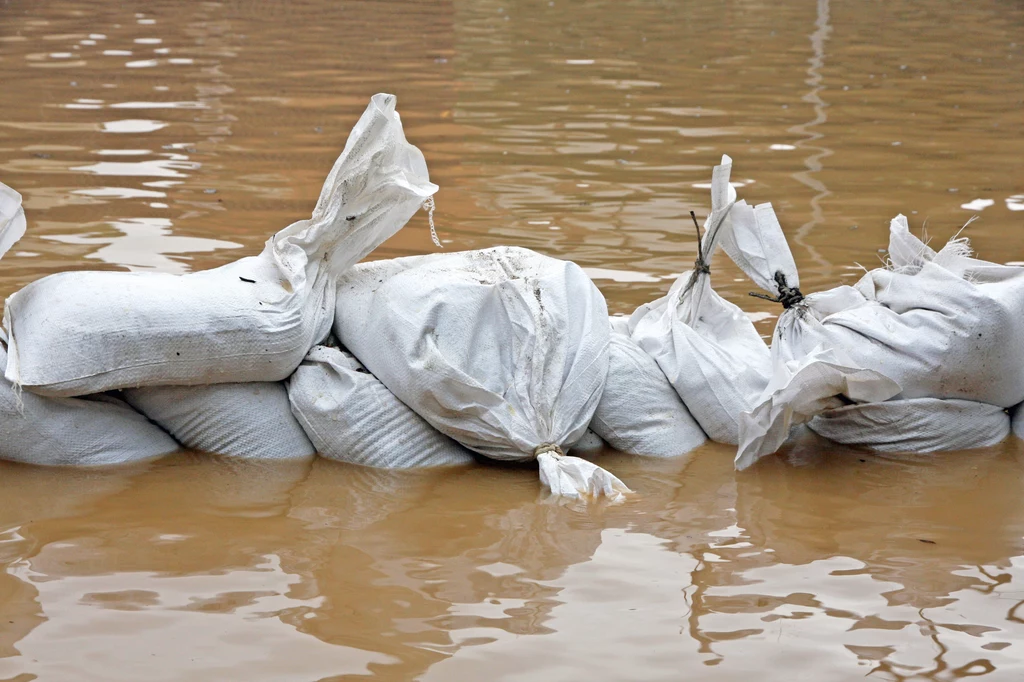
x: 333, y: 406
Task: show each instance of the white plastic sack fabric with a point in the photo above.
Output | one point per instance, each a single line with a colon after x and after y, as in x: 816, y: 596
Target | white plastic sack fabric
x: 12, y: 218
x: 639, y: 412
x: 79, y: 432
x: 589, y: 444
x: 93, y: 431
x: 252, y: 320
x: 251, y: 420
x: 915, y: 425
x: 504, y: 350
x: 707, y: 347
x: 932, y: 325
x: 352, y: 417
x: 801, y: 389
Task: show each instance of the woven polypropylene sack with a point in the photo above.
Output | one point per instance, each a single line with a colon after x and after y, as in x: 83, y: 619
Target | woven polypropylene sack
x: 504, y: 350
x: 590, y: 444
x: 931, y: 325
x: 252, y: 320
x: 915, y: 425
x: 352, y: 417
x: 640, y: 412
x: 93, y: 431
x: 250, y: 420
x: 80, y: 432
x: 706, y: 346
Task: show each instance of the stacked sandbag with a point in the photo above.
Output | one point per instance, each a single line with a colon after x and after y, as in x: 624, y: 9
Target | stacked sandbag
x: 504, y: 350
x: 915, y: 425
x: 250, y: 421
x: 91, y: 431
x: 589, y: 445
x: 640, y: 412
x: 351, y: 416
x: 938, y: 325
x: 706, y: 346
x: 252, y: 320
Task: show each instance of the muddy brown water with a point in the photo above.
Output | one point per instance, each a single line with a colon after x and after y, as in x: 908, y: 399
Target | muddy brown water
x: 177, y: 136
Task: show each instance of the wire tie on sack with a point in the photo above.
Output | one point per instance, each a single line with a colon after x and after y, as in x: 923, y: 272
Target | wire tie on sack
x: 788, y: 296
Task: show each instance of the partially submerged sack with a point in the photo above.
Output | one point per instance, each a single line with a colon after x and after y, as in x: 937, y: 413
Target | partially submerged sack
x: 640, y: 412
x: 933, y: 324
x: 252, y: 420
x: 504, y: 350
x: 707, y: 347
x: 915, y: 425
x: 252, y: 320
x: 92, y: 431
x: 352, y: 417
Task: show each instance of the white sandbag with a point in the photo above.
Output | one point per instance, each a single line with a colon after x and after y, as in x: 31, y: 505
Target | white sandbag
x: 93, y: 431
x: 707, y: 347
x: 800, y: 389
x: 12, y: 218
x: 936, y: 325
x: 915, y: 425
x: 252, y: 320
x: 504, y: 350
x: 352, y: 417
x: 79, y: 432
x: 251, y: 420
x: 640, y: 412
x: 590, y: 444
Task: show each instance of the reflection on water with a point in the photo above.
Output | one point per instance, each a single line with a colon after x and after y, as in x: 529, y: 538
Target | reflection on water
x: 177, y: 136
x: 286, y: 572
x: 812, y: 138
x: 144, y: 244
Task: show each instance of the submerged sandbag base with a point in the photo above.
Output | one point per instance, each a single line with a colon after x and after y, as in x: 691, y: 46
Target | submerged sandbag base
x: 916, y: 425
x: 92, y: 431
x: 350, y: 416
x: 249, y: 420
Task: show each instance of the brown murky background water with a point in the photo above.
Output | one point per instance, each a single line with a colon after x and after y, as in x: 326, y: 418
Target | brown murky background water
x: 177, y: 136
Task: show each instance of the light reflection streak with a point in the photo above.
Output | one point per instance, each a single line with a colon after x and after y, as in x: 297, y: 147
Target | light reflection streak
x: 144, y: 244
x: 812, y: 137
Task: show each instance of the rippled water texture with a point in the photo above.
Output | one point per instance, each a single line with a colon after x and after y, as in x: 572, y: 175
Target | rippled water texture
x: 175, y: 136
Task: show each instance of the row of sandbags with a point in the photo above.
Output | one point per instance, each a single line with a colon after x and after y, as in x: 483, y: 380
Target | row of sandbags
x: 502, y: 351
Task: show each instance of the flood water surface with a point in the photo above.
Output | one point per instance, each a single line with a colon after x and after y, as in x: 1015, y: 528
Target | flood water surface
x: 172, y: 137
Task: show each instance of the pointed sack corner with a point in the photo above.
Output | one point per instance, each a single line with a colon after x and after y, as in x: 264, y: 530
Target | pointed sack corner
x: 12, y: 218
x: 384, y: 102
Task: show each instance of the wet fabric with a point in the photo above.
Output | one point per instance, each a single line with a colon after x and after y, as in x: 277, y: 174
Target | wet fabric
x: 915, y: 425
x: 503, y: 350
x: 350, y: 416
x: 251, y: 420
x: 931, y: 325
